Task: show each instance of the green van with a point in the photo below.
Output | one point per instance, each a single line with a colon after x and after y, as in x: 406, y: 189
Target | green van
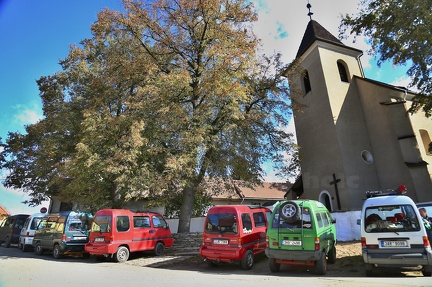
x: 63, y: 233
x: 302, y: 232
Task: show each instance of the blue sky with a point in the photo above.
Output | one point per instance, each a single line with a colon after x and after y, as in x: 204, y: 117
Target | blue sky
x: 36, y: 34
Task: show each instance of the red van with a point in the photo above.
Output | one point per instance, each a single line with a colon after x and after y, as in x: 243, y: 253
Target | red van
x: 118, y: 232
x: 234, y: 234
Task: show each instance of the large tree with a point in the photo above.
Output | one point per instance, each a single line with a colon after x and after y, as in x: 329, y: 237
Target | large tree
x: 400, y: 31
x: 165, y: 94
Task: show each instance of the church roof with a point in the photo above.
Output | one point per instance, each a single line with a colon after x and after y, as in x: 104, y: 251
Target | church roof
x: 316, y: 32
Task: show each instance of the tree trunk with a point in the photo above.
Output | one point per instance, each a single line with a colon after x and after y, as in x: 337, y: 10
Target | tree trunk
x: 186, y: 209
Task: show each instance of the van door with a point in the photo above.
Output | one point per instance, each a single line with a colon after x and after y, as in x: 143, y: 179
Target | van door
x: 160, y: 231
x: 122, y: 233
x: 142, y: 233
x: 46, y: 234
x: 260, y: 226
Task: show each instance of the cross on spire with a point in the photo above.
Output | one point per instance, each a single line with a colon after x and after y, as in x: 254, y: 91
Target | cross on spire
x: 309, y: 6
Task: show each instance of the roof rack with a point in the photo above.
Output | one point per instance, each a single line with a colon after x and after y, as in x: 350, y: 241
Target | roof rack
x: 400, y: 190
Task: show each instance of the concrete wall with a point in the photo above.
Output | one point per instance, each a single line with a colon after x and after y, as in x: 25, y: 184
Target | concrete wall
x: 346, y: 225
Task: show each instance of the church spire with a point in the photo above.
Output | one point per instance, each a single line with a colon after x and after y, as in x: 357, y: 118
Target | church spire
x: 309, y: 6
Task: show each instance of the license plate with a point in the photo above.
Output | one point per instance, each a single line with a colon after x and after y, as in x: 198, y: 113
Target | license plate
x: 99, y: 239
x: 291, y: 242
x: 80, y: 238
x: 394, y: 243
x: 220, y: 241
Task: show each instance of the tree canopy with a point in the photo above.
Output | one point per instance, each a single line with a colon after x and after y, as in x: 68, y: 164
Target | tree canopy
x: 165, y: 94
x: 400, y: 31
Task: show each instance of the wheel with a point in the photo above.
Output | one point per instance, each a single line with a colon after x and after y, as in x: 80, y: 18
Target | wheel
x: 247, y: 260
x: 321, y: 265
x: 210, y: 263
x: 331, y: 256
x: 100, y: 258
x: 274, y: 267
x: 56, y: 252
x: 289, y: 211
x: 426, y: 273
x: 159, y: 249
x: 7, y: 242
x: 38, y: 249
x: 122, y: 254
x: 369, y: 270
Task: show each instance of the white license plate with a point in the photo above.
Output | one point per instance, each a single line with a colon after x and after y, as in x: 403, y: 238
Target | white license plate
x: 394, y: 243
x: 220, y: 241
x: 99, y: 239
x: 80, y: 238
x: 291, y: 242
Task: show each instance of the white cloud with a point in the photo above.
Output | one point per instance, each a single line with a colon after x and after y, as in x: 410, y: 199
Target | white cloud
x: 26, y: 115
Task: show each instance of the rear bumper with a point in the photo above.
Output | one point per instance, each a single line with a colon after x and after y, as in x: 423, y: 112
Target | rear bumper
x: 397, y: 257
x: 66, y: 248
x: 293, y: 255
x: 100, y: 249
x: 233, y: 254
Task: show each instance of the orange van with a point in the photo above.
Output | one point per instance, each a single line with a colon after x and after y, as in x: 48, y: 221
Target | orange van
x: 118, y: 232
x: 234, y: 234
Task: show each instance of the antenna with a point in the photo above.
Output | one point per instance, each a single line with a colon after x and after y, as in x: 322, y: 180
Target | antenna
x: 309, y: 6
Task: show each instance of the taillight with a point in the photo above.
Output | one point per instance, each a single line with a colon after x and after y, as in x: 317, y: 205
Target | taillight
x: 317, y: 244
x: 267, y: 242
x: 425, y: 241
x: 28, y: 234
x: 363, y: 241
x: 240, y: 242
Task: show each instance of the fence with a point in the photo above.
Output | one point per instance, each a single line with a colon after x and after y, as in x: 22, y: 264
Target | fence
x: 346, y: 225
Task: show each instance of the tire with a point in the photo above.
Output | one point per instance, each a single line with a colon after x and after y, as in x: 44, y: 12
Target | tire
x: 7, y: 242
x: 210, y: 263
x: 426, y: 273
x: 331, y: 256
x: 247, y: 261
x: 369, y: 270
x: 321, y: 265
x: 38, y: 249
x: 122, y: 254
x: 274, y: 267
x: 56, y: 252
x: 159, y: 249
x: 289, y: 211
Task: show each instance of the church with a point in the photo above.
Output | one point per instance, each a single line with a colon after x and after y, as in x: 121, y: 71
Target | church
x: 354, y: 133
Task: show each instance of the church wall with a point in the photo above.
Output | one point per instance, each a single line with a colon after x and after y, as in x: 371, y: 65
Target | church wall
x: 386, y: 126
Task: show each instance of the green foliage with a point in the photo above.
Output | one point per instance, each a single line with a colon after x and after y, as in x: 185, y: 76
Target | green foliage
x: 163, y: 95
x: 399, y: 30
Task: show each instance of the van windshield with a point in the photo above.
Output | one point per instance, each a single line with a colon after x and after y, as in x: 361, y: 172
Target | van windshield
x: 101, y: 223
x: 222, y: 223
x: 390, y: 218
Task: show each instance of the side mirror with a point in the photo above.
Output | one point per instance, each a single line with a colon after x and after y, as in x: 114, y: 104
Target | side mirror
x: 333, y: 220
x: 358, y: 221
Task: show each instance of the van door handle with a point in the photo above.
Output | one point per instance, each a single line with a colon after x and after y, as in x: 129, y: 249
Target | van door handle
x: 152, y: 231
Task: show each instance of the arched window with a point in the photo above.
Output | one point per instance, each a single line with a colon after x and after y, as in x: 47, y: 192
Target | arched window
x: 342, y: 71
x: 426, y: 141
x: 306, y: 82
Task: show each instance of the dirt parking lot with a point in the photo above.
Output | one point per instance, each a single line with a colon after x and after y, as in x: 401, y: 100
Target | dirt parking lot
x: 349, y: 263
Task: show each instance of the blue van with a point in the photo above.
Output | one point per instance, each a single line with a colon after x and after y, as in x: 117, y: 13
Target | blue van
x: 63, y: 233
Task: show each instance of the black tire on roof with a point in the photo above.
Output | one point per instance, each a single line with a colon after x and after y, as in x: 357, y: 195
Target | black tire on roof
x: 289, y: 211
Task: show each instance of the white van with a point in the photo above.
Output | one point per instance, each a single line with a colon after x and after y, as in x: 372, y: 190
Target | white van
x: 28, y: 231
x: 392, y: 233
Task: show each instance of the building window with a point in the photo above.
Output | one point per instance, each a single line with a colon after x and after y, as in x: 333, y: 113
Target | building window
x: 427, y: 144
x: 367, y: 157
x: 306, y: 82
x: 342, y: 71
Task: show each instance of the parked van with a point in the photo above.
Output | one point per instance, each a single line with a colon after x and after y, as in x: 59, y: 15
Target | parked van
x: 63, y: 233
x: 392, y: 232
x: 10, y: 229
x: 234, y: 234
x: 28, y: 231
x: 118, y: 232
x: 302, y: 232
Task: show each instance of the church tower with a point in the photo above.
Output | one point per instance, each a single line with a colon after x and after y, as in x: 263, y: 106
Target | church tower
x: 354, y: 133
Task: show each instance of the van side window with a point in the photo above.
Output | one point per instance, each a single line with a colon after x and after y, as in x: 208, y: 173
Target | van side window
x: 158, y: 221
x: 122, y: 223
x: 319, y: 219
x: 247, y: 222
x: 51, y: 222
x: 259, y: 219
x: 141, y: 221
x: 326, y: 219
